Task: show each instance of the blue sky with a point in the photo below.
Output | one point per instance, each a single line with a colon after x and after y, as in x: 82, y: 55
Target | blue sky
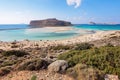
x: 76, y: 11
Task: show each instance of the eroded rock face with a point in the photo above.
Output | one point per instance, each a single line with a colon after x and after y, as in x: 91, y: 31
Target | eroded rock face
x: 49, y: 22
x: 58, y: 66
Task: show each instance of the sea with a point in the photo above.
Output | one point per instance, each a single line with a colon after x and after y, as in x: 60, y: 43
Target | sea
x: 21, y: 32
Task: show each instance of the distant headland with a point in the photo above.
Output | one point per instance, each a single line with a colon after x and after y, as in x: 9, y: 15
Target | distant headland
x: 49, y: 22
x: 94, y: 23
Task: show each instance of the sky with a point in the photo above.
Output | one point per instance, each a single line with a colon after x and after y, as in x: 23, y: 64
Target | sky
x: 75, y: 11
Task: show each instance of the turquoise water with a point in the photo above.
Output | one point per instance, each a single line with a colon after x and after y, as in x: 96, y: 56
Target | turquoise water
x: 22, y: 32
x: 98, y: 27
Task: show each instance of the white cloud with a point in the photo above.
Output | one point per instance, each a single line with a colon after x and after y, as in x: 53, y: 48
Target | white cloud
x: 77, y: 3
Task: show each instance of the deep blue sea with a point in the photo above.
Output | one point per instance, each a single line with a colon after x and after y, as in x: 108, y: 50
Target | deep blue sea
x: 13, y: 26
x: 22, y: 31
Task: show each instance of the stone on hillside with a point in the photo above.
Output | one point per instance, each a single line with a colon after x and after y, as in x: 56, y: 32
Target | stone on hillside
x: 111, y: 77
x: 58, y: 66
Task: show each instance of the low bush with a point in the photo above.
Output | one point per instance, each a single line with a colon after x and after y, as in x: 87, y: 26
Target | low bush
x: 5, y: 71
x: 14, y: 52
x: 35, y: 64
x: 61, y: 47
x: 14, y: 46
x: 83, y: 46
x: 109, y: 45
x: 106, y: 59
x: 83, y: 72
x: 34, y: 77
x: 8, y: 63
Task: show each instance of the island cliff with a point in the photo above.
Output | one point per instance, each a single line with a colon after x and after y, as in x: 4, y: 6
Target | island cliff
x: 49, y: 22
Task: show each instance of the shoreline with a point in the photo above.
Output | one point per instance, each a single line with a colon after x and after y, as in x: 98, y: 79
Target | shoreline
x: 52, y: 29
x: 45, y: 43
x: 56, y: 28
x: 46, y: 30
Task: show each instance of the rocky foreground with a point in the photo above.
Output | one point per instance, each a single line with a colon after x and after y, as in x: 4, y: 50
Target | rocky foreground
x: 40, y: 75
x: 38, y: 60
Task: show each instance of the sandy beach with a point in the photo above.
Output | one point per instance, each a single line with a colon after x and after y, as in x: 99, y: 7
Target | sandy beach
x: 51, y: 29
x: 45, y: 43
x: 59, y: 28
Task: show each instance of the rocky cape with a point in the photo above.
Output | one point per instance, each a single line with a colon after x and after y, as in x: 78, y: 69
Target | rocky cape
x: 49, y: 23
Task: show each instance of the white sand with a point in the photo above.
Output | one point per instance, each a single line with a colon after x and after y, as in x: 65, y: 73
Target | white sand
x: 60, y: 28
x: 50, y: 29
x: 79, y: 39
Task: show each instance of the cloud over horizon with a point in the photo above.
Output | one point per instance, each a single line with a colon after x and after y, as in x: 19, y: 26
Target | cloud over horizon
x: 76, y: 3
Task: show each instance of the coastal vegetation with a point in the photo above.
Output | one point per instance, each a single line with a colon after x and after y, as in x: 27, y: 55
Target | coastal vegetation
x: 106, y: 59
x: 62, y: 47
x: 84, y: 72
x: 84, y: 61
x: 14, y: 52
x: 34, y: 77
x: 83, y: 46
x: 33, y: 65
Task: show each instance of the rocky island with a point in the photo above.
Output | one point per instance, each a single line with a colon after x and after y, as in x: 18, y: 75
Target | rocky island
x: 53, y: 22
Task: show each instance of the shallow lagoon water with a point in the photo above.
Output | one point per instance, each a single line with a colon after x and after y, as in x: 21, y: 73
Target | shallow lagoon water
x: 22, y: 32
x: 32, y: 34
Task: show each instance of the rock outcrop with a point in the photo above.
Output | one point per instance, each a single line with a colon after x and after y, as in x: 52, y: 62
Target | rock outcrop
x: 48, y: 23
x: 111, y: 77
x: 58, y: 66
x: 93, y: 23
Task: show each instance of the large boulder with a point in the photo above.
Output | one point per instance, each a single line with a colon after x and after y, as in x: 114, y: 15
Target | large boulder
x: 111, y: 77
x: 49, y: 23
x: 58, y: 66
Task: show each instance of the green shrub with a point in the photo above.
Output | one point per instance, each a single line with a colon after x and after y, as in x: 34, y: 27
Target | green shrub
x: 14, y: 52
x: 83, y: 72
x: 67, y: 56
x: 61, y: 47
x: 34, y: 77
x: 35, y: 64
x: 8, y: 63
x: 83, y: 46
x: 109, y: 45
x: 5, y: 71
x: 14, y: 46
x: 106, y: 59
